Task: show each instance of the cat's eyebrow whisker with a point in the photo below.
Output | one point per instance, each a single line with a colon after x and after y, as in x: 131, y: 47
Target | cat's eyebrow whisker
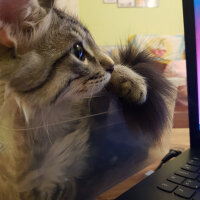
x: 61, y: 122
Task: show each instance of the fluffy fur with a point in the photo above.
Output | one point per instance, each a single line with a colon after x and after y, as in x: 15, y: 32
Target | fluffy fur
x: 49, y: 67
x: 154, y: 114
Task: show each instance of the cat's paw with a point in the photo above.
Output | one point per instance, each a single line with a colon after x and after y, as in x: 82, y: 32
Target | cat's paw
x: 134, y: 91
x: 128, y: 85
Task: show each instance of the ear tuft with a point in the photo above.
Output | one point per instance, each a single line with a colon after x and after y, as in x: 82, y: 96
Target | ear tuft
x: 5, y: 40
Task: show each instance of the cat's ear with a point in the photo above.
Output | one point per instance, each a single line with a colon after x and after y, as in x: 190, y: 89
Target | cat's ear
x: 21, y: 21
x: 5, y: 40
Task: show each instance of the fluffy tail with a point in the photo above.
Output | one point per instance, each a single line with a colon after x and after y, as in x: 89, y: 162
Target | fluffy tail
x: 155, y: 115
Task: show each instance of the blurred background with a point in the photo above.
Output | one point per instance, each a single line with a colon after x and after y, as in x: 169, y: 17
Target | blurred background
x: 159, y: 29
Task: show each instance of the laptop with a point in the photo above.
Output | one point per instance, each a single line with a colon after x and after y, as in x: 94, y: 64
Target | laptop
x: 179, y: 179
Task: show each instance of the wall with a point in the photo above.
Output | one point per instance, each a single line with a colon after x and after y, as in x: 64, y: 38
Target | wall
x: 109, y: 24
x: 68, y: 5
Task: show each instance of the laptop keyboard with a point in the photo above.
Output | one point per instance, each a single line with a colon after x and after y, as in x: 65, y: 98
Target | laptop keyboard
x: 185, y: 182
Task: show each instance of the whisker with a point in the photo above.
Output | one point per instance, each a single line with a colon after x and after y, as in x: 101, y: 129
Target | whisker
x: 57, y: 123
x: 46, y: 126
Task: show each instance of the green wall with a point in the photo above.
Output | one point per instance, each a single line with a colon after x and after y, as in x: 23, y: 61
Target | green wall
x: 111, y: 25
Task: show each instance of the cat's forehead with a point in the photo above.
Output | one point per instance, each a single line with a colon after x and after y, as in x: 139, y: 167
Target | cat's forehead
x: 66, y: 30
x: 72, y: 24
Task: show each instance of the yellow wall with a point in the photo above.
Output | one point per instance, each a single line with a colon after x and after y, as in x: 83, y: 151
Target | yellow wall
x: 109, y: 24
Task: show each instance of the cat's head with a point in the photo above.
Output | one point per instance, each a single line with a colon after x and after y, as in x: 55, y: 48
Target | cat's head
x: 52, y: 56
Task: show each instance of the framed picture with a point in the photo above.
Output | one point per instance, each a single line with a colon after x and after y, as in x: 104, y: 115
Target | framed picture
x: 126, y: 3
x: 146, y: 3
x: 110, y: 1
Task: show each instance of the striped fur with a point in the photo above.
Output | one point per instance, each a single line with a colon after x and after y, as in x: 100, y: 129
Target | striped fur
x: 45, y: 91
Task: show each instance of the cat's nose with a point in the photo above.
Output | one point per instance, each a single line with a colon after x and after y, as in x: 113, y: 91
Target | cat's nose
x: 110, y: 69
x: 106, y: 62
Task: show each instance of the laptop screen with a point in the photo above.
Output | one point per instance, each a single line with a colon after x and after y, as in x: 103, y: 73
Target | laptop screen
x: 197, y: 25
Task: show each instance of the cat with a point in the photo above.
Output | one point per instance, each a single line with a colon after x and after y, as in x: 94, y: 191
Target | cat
x: 49, y: 67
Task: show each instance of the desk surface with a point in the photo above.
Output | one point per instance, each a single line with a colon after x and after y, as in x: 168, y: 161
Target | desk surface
x: 179, y: 139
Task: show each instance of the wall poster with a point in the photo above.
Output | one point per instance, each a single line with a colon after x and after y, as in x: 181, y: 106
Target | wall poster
x: 126, y: 3
x: 146, y: 3
x: 110, y: 1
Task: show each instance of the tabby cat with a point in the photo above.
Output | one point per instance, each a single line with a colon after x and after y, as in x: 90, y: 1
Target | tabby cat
x: 49, y: 67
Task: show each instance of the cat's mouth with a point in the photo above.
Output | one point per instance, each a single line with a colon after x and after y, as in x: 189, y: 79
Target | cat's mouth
x: 64, y: 89
x: 79, y: 87
x: 94, y: 85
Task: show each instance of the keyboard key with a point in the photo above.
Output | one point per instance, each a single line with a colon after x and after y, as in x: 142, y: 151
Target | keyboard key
x: 190, y: 168
x: 196, y: 196
x: 191, y: 183
x: 167, y: 186
x: 196, y: 158
x: 186, y: 174
x: 194, y: 163
x: 184, y: 192
x: 176, y: 179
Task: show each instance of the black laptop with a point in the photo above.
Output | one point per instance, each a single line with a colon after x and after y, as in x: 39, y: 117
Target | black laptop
x: 179, y: 179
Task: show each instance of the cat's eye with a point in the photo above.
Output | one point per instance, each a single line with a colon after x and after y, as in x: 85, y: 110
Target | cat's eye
x: 78, y: 51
